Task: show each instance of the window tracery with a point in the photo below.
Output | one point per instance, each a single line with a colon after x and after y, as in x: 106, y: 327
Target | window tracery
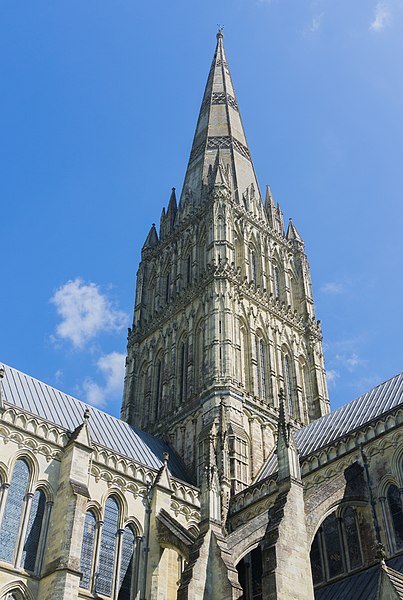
x: 87, y: 548
x: 336, y: 548
x: 396, y: 514
x: 107, y: 553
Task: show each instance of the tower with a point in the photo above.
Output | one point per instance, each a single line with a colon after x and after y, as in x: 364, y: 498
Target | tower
x: 224, y: 314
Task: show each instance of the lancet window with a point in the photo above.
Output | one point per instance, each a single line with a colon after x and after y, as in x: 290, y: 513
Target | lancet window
x: 288, y: 388
x: 115, y: 571
x: 263, y: 370
x: 336, y: 548
x: 157, y: 387
x: 22, y: 529
x: 396, y: 514
x: 182, y: 370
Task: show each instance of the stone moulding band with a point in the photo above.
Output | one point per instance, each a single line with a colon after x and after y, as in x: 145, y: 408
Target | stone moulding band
x: 223, y: 142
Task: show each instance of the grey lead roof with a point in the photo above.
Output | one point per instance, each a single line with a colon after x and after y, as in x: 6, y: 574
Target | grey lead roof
x: 351, y: 416
x: 63, y: 410
x: 362, y: 585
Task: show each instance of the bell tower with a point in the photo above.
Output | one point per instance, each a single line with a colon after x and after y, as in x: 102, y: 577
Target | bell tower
x: 224, y: 315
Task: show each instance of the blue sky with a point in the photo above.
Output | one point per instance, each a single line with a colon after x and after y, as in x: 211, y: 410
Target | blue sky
x: 97, y: 113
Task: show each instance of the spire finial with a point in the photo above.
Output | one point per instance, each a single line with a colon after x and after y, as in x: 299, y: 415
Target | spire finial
x: 87, y: 414
x: 220, y: 32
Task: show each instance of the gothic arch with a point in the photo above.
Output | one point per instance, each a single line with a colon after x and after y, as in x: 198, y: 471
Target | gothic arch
x: 18, y: 588
x: 32, y: 463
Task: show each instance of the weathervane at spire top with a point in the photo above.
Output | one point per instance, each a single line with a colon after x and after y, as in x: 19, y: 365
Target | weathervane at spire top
x: 220, y: 32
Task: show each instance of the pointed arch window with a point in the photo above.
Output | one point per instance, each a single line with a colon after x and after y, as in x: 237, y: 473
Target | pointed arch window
x: 288, y: 384
x: 396, y: 514
x: 34, y: 530
x: 106, y: 567
x: 87, y: 549
x: 157, y: 388
x: 182, y: 374
x: 262, y: 357
x: 276, y: 282
x: 188, y: 269
x: 12, y: 517
x: 336, y: 548
x: 126, y: 565
x: 167, y: 286
x: 252, y: 257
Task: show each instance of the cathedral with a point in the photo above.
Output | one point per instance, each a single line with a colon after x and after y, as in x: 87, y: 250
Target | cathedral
x: 227, y: 476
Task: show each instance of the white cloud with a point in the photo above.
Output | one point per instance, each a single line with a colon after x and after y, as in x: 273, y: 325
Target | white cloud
x: 314, y: 26
x: 59, y: 376
x: 331, y: 377
x: 350, y: 362
x: 112, y: 367
x: 332, y: 287
x: 85, y: 312
x: 382, y: 17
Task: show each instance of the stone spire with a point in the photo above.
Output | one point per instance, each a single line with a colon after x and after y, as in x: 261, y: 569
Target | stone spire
x: 219, y: 129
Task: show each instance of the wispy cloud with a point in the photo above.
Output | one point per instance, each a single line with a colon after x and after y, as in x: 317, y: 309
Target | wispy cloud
x: 112, y: 367
x: 314, y: 25
x: 382, y: 17
x: 332, y: 288
x: 332, y: 375
x: 350, y: 361
x: 58, y: 376
x: 85, y: 312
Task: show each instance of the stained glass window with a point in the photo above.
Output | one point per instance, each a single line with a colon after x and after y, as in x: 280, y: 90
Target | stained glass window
x: 12, y: 513
x: 126, y: 565
x: 108, y: 547
x: 396, y: 513
x: 333, y: 546
x: 316, y: 561
x: 87, y: 549
x: 34, y: 529
x: 352, y: 538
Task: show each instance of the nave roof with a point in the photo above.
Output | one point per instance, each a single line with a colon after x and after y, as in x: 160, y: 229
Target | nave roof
x: 329, y: 428
x: 41, y: 400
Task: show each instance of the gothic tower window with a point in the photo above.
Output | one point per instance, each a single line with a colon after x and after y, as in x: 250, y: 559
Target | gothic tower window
x: 262, y: 356
x: 157, y: 387
x: 288, y: 384
x: 276, y: 274
x: 142, y: 382
x: 252, y: 259
x: 188, y: 269
x: 106, y: 566
x: 245, y: 356
x: 87, y: 549
x: 239, y: 458
x: 182, y: 370
x: 167, y: 286
x: 199, y: 356
x: 396, y: 514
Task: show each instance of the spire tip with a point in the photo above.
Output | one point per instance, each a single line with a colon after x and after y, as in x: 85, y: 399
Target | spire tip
x: 220, y: 32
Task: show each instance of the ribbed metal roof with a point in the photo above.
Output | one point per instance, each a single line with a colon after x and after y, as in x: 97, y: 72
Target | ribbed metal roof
x: 63, y: 410
x: 351, y: 416
x: 362, y: 585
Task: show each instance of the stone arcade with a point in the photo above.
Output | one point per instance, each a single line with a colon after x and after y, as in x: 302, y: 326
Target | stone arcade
x: 227, y: 476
